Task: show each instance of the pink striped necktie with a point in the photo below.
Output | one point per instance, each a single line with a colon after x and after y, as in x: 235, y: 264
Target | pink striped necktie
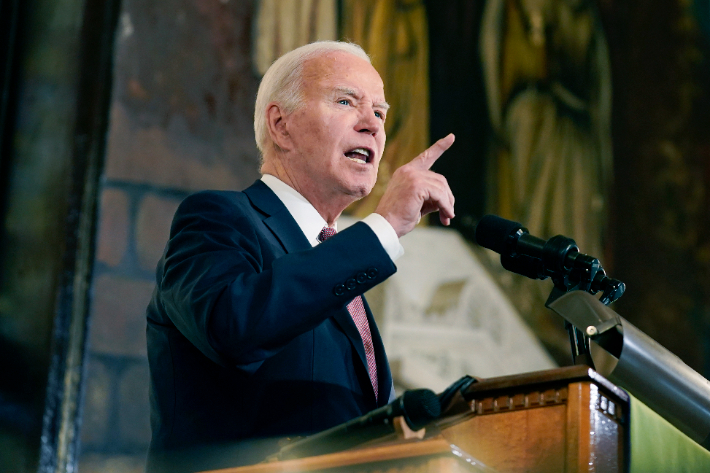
x: 357, y: 312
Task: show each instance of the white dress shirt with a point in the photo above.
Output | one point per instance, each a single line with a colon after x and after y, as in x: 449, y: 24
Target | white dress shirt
x: 311, y: 222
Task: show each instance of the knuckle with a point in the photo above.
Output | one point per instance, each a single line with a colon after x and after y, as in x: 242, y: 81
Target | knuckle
x: 405, y: 171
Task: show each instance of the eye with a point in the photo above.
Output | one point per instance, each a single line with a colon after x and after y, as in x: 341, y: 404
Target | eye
x: 380, y: 115
x: 344, y: 102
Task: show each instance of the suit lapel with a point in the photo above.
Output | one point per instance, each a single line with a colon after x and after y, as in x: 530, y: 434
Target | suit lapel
x: 285, y: 229
x: 347, y: 324
x: 277, y: 217
x: 384, y: 377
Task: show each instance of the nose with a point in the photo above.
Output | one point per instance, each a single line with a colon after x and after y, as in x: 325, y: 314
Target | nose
x: 369, y: 123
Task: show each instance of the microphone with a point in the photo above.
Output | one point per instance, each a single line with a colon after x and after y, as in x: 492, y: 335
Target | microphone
x: 418, y: 407
x: 558, y: 257
x: 523, y: 253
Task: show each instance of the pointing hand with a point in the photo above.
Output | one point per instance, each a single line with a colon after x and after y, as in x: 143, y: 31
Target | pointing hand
x: 415, y: 191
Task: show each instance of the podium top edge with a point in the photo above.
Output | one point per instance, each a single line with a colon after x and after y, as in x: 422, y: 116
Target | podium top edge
x: 537, y: 379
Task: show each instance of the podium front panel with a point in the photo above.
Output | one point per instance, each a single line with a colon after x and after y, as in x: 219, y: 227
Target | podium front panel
x: 568, y: 425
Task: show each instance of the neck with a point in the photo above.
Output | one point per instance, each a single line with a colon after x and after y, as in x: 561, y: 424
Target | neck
x: 328, y: 204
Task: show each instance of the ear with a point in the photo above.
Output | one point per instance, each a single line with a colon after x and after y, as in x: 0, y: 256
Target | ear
x: 276, y: 125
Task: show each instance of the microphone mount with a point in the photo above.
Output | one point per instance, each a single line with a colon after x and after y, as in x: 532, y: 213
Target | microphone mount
x: 559, y: 259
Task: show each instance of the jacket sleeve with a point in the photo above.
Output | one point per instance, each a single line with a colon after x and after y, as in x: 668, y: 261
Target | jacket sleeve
x: 238, y: 309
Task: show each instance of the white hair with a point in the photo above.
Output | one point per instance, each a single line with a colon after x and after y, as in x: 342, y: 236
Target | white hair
x: 283, y: 82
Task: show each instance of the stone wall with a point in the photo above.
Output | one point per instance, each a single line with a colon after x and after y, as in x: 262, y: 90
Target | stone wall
x: 181, y: 120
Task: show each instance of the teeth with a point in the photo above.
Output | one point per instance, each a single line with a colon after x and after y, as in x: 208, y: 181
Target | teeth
x: 358, y: 155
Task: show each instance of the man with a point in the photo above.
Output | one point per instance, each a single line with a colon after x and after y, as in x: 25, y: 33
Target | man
x: 257, y: 329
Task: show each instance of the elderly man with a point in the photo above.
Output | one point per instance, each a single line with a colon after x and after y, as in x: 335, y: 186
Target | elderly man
x: 257, y: 327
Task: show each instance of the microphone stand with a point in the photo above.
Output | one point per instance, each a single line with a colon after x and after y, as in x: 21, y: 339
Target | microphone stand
x: 569, y: 270
x: 576, y: 271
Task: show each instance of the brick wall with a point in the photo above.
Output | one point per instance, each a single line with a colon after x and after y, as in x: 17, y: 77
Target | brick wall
x: 181, y: 121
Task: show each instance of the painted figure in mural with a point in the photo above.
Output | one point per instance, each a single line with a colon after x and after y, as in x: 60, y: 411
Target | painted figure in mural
x: 546, y: 71
x: 283, y: 25
x: 257, y: 327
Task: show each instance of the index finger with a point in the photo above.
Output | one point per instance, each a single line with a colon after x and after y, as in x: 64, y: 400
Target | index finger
x: 427, y: 159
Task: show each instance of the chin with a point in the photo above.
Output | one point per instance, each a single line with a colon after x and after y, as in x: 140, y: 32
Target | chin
x: 358, y: 190
x: 358, y: 194
x: 363, y: 191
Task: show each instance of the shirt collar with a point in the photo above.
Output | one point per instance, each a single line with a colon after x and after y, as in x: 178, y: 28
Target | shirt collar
x: 302, y: 211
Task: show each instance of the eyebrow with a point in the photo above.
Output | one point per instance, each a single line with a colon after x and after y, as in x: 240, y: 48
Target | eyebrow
x: 351, y: 93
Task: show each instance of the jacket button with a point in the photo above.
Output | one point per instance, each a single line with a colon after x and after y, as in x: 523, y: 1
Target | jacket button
x: 339, y: 290
x: 350, y: 284
x: 371, y: 273
x: 361, y: 277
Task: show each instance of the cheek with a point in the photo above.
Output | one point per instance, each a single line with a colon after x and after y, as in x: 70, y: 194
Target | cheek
x: 324, y: 137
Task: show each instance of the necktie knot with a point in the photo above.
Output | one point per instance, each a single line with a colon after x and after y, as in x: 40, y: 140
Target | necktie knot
x: 326, y: 233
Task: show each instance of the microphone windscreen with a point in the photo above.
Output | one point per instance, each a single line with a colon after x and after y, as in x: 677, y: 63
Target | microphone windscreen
x: 492, y: 232
x: 420, y: 406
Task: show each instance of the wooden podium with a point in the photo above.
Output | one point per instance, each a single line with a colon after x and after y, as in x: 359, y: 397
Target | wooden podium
x: 564, y: 420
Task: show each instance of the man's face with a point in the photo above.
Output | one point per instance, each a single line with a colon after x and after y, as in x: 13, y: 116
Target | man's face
x: 338, y: 135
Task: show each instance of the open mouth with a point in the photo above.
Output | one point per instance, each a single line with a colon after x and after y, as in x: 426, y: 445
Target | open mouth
x: 359, y: 155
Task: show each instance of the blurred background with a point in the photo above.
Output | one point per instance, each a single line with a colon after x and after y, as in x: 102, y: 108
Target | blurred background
x: 588, y: 118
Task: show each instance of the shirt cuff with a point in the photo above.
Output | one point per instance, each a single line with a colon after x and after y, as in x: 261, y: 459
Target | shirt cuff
x: 386, y: 234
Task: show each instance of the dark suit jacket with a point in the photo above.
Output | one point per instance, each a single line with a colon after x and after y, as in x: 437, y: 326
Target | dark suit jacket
x: 248, y: 334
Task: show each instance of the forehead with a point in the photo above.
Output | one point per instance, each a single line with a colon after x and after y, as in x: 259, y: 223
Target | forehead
x: 340, y: 69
